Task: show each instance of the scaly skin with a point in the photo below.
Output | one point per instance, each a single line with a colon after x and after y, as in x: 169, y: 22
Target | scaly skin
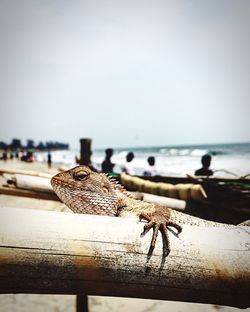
x: 85, y: 191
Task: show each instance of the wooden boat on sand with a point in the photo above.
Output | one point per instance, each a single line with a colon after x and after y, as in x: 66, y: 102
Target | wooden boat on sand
x: 213, y: 198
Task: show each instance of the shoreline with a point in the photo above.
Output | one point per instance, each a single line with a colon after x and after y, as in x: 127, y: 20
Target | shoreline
x: 15, y: 164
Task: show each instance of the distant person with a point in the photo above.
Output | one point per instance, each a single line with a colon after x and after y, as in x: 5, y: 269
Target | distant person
x: 205, y: 171
x: 150, y: 171
x: 107, y: 165
x: 5, y: 156
x: 49, y: 159
x: 128, y: 168
x: 30, y: 157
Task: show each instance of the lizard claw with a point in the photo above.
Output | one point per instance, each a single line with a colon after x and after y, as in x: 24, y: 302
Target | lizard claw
x: 159, y: 221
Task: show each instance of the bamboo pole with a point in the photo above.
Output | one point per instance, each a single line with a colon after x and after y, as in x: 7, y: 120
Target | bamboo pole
x: 187, y: 191
x: 64, y: 253
x: 173, y: 203
x: 32, y: 183
x: 28, y: 193
x: 28, y: 186
x: 26, y: 172
x: 29, y: 182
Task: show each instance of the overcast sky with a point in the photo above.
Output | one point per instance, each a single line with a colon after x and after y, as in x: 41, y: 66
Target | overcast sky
x: 125, y: 73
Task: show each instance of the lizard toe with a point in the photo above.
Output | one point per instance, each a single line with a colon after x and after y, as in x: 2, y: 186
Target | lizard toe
x: 175, y: 225
x: 159, y: 222
x: 145, y: 216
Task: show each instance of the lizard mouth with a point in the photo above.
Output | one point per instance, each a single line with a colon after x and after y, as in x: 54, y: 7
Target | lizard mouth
x: 56, y: 181
x: 70, y: 197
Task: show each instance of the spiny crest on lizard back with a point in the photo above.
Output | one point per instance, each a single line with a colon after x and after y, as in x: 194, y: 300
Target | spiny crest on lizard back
x: 85, y: 191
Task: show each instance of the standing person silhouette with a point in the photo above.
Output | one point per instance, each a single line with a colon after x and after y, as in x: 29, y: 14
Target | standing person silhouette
x: 107, y: 165
x: 49, y: 159
x: 205, y: 171
x: 128, y: 168
x: 150, y: 170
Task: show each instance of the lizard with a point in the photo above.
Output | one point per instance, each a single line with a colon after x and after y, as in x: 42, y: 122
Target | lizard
x: 86, y: 191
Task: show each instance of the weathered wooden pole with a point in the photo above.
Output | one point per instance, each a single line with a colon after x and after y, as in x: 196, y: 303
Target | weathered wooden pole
x: 85, y: 152
x: 65, y: 253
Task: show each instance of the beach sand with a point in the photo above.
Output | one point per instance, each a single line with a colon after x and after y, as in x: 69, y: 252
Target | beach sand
x: 61, y: 303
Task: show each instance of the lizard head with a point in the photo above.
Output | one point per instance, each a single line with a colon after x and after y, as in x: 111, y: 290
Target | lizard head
x: 85, y: 191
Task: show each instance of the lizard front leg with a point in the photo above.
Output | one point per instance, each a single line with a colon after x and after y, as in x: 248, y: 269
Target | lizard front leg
x: 159, y: 221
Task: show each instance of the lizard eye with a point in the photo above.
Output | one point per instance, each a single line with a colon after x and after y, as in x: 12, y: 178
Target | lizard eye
x: 80, y: 176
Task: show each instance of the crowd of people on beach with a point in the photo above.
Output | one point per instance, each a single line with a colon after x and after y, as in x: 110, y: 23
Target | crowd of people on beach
x: 107, y: 165
x: 150, y: 168
x: 24, y: 156
x: 27, y: 156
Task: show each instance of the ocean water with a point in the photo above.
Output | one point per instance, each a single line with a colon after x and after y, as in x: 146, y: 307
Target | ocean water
x: 227, y: 159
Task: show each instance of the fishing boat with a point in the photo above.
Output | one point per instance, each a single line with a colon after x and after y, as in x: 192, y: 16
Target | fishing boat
x: 214, y: 198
